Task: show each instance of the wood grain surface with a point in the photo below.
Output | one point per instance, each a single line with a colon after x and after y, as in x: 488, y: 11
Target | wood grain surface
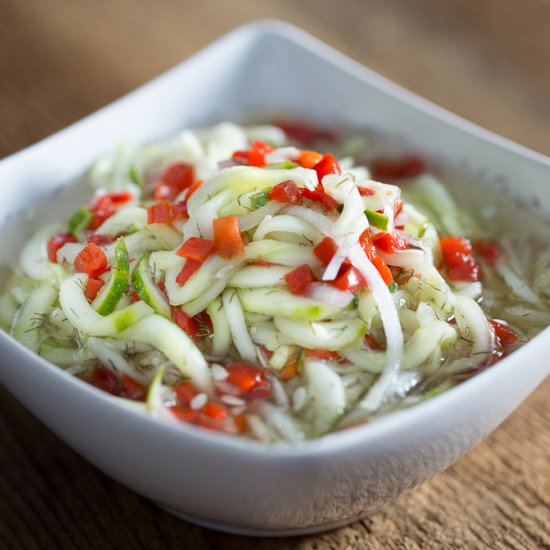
x: 486, y: 60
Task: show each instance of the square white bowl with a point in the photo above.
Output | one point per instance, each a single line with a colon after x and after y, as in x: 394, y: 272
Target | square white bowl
x: 238, y: 485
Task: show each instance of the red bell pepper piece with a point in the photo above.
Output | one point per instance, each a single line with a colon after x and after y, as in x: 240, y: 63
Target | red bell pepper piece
x: 308, y: 159
x: 185, y: 391
x: 325, y: 250
x: 255, y: 156
x: 349, y: 280
x: 459, y: 259
x: 409, y: 166
x: 91, y: 260
x: 299, y: 279
x: 375, y: 259
x: 249, y: 380
x: 227, y: 236
x: 488, y: 250
x: 306, y: 133
x: 93, y: 286
x: 389, y: 243
x: 327, y: 165
x: 56, y: 242
x: 177, y: 177
x: 188, y: 269
x: 161, y: 212
x: 319, y: 195
x: 196, y: 249
x: 132, y: 388
x: 188, y: 324
x: 287, y: 192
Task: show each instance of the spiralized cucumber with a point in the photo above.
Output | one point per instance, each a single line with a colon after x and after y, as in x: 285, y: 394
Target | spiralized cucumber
x: 327, y: 398
x: 330, y: 335
x: 171, y: 340
x: 27, y: 324
x: 115, y: 288
x: 345, y: 302
x: 147, y: 290
x: 278, y: 302
x: 221, y: 339
x: 87, y: 320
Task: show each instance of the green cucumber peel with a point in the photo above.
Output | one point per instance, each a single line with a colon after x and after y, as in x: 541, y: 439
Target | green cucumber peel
x: 147, y: 290
x: 284, y: 165
x: 376, y: 219
x: 79, y: 220
x: 117, y: 285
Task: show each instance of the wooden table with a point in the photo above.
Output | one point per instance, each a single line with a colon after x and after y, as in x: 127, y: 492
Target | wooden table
x: 486, y: 60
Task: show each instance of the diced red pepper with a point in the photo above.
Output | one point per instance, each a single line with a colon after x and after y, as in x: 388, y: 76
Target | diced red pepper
x: 215, y: 411
x: 305, y: 133
x: 327, y: 165
x: 179, y: 210
x: 205, y: 321
x: 308, y: 159
x: 409, y: 166
x: 185, y: 414
x: 365, y: 191
x: 187, y: 271
x: 196, y: 249
x: 319, y: 195
x: 349, y: 280
x: 299, y: 279
x: 185, y: 391
x: 267, y: 352
x: 132, y: 389
x: 101, y: 240
x: 58, y: 241
x: 286, y: 191
x: 255, y: 156
x: 106, y: 380
x: 122, y: 197
x: 250, y: 380
x: 459, y: 259
x: 177, y: 177
x: 102, y: 208
x: 375, y: 259
x: 240, y: 422
x: 488, y: 250
x: 389, y: 243
x: 188, y: 324
x: 325, y: 250
x: 134, y: 296
x: 227, y: 236
x: 192, y: 188
x: 91, y: 260
x: 397, y: 207
x: 160, y: 212
x: 504, y: 335
x: 373, y: 343
x: 93, y: 286
x: 290, y: 370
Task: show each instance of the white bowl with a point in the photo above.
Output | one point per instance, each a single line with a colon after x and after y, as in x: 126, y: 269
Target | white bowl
x: 223, y: 482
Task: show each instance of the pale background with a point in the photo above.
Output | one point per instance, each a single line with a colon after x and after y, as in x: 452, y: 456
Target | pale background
x: 487, y: 60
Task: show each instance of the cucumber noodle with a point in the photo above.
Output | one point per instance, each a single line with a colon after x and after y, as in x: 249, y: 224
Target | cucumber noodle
x: 228, y: 341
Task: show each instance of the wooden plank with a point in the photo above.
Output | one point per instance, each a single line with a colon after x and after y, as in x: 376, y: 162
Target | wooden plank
x: 487, y: 61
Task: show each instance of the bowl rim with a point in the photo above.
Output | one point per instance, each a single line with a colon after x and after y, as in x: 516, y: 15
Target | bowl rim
x: 389, y: 422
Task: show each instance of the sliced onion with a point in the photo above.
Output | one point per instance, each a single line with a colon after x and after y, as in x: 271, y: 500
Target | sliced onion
x: 282, y: 154
x: 330, y: 295
x: 392, y: 328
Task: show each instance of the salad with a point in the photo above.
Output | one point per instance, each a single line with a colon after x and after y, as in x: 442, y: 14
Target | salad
x: 239, y: 279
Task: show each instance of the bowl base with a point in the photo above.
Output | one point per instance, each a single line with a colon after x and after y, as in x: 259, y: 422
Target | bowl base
x: 255, y: 532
